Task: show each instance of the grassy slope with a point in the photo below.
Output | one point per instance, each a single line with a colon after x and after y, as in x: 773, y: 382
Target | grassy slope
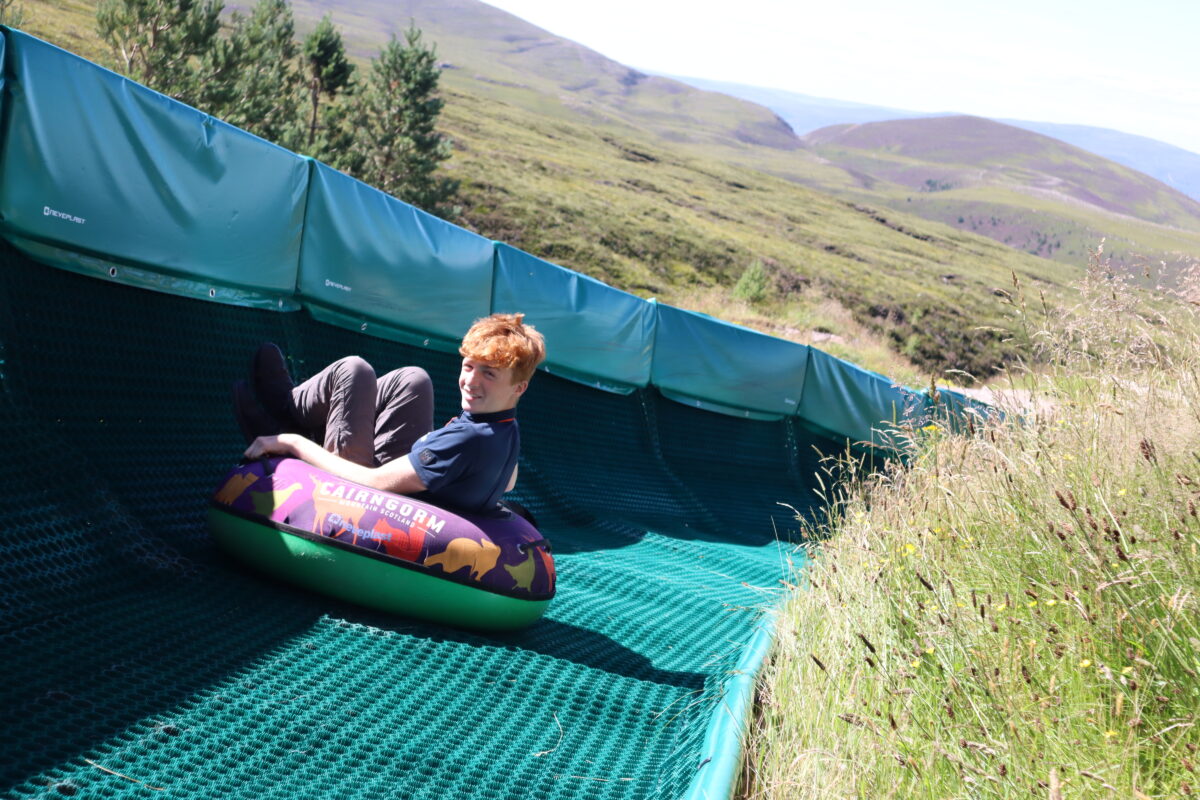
x: 70, y: 24
x: 681, y: 222
x: 1023, y: 189
x: 1015, y: 613
x: 1007, y: 154
x: 643, y: 217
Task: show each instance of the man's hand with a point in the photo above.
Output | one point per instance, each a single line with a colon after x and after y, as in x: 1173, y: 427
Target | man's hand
x: 395, y: 476
x: 280, y: 445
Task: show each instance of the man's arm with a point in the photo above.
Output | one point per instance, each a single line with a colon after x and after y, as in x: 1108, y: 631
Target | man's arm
x: 513, y: 480
x: 396, y: 476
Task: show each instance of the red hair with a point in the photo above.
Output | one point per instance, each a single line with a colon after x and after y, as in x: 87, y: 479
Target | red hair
x: 503, y: 340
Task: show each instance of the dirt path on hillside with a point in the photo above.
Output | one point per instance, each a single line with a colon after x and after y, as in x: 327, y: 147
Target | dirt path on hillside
x: 1010, y: 401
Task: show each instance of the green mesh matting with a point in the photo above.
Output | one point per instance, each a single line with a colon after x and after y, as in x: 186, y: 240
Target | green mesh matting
x: 132, y: 646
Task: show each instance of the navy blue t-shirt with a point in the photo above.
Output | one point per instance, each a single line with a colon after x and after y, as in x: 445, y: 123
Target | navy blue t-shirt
x: 467, y: 464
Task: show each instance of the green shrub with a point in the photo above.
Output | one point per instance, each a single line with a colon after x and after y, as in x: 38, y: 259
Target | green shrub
x: 754, y: 286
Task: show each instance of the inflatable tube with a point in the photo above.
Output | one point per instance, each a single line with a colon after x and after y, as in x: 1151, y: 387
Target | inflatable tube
x: 488, y: 571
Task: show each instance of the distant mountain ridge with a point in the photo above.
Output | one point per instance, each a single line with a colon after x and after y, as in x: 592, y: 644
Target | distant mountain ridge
x: 973, y: 151
x: 1029, y: 191
x: 1174, y: 166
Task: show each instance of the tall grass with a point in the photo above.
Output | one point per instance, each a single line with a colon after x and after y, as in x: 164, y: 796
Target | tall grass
x: 1015, y: 611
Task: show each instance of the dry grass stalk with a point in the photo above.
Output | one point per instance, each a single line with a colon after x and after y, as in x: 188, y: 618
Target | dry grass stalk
x: 1048, y: 642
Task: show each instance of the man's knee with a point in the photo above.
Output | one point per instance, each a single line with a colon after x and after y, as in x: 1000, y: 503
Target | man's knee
x: 353, y: 370
x: 408, y: 380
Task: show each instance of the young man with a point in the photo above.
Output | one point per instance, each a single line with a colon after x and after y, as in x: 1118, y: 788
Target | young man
x: 378, y: 432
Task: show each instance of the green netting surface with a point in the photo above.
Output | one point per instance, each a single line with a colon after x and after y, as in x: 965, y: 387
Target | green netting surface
x: 132, y: 646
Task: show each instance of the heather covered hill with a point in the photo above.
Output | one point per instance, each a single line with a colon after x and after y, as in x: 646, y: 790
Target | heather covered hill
x: 963, y: 151
x: 1174, y: 166
x: 1023, y: 189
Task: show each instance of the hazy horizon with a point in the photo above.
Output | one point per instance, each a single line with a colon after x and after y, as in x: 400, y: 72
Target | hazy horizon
x: 1064, y: 61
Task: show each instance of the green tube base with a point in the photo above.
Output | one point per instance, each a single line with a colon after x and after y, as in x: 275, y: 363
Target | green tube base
x: 369, y: 581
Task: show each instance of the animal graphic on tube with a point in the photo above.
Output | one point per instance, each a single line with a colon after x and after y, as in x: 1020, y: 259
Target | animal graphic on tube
x: 348, y: 513
x: 523, y: 573
x: 481, y: 557
x: 234, y: 487
x: 402, y: 542
x: 266, y: 502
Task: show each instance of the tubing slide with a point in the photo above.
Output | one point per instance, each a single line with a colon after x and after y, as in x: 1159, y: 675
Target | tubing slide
x: 147, y: 249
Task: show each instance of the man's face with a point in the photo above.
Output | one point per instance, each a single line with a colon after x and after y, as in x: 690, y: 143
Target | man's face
x: 486, y: 389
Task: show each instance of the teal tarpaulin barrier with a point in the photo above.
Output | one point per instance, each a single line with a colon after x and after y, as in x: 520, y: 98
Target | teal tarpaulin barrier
x: 853, y: 402
x: 726, y: 368
x: 373, y: 263
x: 598, y: 335
x: 103, y: 176
x: 3, y: 69
x: 97, y: 165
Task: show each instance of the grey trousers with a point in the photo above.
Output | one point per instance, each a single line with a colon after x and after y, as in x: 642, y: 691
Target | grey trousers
x: 362, y: 418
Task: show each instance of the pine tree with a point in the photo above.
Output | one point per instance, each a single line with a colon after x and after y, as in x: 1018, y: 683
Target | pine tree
x: 328, y: 71
x: 155, y: 41
x: 337, y: 142
x: 251, y: 79
x: 397, y: 146
x: 753, y: 286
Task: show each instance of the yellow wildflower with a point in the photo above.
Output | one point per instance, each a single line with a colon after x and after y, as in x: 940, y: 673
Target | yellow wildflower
x: 1087, y: 662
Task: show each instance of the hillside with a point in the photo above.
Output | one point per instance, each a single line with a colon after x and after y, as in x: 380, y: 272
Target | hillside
x: 1174, y: 166
x: 973, y: 151
x: 498, y: 55
x: 562, y: 175
x: 1020, y: 188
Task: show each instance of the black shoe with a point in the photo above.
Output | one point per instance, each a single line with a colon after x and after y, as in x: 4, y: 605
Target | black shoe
x: 251, y: 419
x: 273, y: 385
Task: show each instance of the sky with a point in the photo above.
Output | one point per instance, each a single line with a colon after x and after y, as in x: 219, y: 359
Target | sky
x: 1130, y: 66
